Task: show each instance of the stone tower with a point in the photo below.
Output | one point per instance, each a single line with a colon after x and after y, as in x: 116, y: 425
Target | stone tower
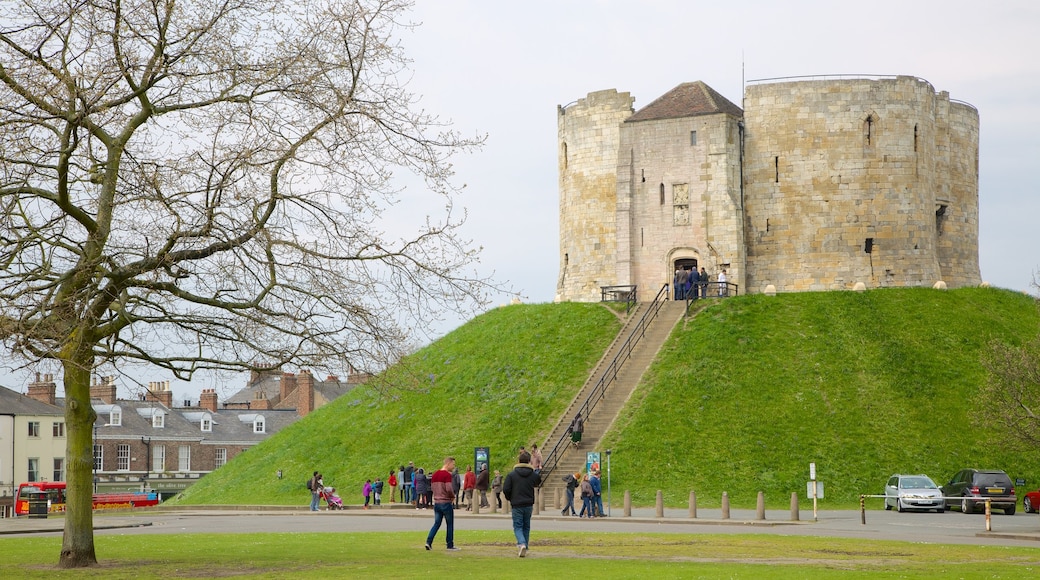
x: 678, y: 187
x: 588, y: 153
x: 859, y: 180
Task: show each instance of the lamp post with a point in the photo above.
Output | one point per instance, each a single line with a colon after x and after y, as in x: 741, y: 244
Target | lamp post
x: 608, y: 482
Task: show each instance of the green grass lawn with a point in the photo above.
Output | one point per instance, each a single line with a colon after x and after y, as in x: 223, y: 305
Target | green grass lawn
x: 743, y: 396
x: 493, y: 555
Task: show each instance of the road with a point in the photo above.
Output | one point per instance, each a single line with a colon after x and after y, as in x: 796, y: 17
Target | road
x: 946, y: 528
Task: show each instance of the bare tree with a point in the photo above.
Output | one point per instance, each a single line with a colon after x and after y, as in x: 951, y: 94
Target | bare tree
x: 204, y: 184
x: 1011, y: 396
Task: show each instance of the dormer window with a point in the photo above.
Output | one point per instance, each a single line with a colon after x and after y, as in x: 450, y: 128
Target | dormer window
x: 207, y: 424
x: 258, y: 424
x: 158, y: 420
x: 115, y: 418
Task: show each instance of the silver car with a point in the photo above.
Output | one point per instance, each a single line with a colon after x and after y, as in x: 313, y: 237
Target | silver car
x: 913, y: 492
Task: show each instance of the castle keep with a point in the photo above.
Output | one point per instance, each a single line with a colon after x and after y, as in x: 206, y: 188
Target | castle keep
x: 816, y: 184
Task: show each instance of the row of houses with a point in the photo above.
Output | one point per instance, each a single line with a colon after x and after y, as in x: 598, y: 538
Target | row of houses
x: 152, y: 442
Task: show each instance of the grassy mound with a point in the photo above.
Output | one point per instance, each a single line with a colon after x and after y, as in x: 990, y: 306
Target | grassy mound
x: 741, y: 399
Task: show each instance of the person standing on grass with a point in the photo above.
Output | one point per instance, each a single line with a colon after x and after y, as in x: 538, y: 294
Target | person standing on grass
x: 443, y: 507
x: 367, y: 492
x: 519, y: 489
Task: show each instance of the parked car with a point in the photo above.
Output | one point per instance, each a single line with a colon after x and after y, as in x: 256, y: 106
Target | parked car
x: 1031, y: 502
x: 913, y: 492
x: 975, y: 486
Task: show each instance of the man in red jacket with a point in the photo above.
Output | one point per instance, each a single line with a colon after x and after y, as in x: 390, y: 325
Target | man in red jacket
x: 443, y: 496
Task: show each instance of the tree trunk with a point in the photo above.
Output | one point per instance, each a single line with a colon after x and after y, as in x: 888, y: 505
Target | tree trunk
x: 77, y: 547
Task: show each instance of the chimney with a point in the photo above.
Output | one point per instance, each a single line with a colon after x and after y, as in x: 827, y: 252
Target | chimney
x: 305, y: 399
x: 260, y: 402
x: 287, y: 386
x: 43, y: 390
x: 208, y: 400
x: 105, y: 389
x: 160, y: 391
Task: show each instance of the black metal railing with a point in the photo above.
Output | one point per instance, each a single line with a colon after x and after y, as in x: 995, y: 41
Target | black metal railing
x: 626, y: 294
x: 711, y: 290
x: 552, y: 459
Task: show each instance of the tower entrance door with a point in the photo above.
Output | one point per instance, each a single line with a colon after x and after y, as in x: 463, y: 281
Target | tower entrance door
x: 683, y: 268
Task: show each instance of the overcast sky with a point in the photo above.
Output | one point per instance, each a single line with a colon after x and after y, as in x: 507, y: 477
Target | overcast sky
x: 501, y: 69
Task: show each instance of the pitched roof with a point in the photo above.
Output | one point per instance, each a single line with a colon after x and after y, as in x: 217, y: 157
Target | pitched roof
x: 179, y: 424
x: 18, y: 404
x: 686, y: 100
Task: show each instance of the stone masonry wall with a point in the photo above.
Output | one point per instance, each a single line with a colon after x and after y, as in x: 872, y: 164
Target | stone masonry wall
x: 588, y: 153
x: 678, y: 200
x: 833, y: 163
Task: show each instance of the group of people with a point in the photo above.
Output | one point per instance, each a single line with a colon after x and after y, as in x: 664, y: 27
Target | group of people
x: 518, y: 487
x: 447, y: 490
x: 591, y: 490
x: 689, y: 284
x: 374, y: 491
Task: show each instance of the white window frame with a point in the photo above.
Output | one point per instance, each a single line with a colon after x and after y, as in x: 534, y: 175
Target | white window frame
x: 221, y: 457
x: 259, y: 426
x: 33, y: 473
x: 207, y: 425
x: 158, y: 458
x: 123, y: 457
x: 59, y: 469
x: 115, y: 418
x: 58, y: 429
x: 34, y: 429
x: 184, y: 458
x: 99, y: 457
x: 159, y: 420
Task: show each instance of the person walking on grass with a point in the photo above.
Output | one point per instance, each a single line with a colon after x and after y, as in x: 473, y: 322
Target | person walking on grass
x: 443, y: 504
x: 519, y: 489
x: 366, y: 491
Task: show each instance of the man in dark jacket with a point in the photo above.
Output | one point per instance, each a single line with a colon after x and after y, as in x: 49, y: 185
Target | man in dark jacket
x: 519, y: 489
x: 483, y: 482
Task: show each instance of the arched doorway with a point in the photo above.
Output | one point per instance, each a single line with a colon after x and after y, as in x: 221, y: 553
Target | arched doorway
x: 680, y: 265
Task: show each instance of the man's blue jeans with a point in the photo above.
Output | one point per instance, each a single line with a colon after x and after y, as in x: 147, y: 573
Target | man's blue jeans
x: 522, y: 524
x: 446, y: 512
x: 315, y: 501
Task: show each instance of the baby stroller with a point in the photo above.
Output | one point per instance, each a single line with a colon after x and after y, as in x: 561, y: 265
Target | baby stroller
x: 333, y: 500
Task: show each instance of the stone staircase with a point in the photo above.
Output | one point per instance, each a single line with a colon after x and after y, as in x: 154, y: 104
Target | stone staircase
x: 630, y: 362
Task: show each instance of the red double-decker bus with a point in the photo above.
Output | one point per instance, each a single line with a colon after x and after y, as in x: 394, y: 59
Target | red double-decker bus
x: 55, y: 491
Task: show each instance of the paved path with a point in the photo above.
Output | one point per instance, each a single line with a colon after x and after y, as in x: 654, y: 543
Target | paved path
x: 947, y: 528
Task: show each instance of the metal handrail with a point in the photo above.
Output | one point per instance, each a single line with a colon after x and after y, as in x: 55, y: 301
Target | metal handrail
x: 714, y: 290
x: 552, y: 459
x: 626, y: 294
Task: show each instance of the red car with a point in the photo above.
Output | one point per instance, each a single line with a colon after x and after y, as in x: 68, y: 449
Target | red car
x: 1031, y: 502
